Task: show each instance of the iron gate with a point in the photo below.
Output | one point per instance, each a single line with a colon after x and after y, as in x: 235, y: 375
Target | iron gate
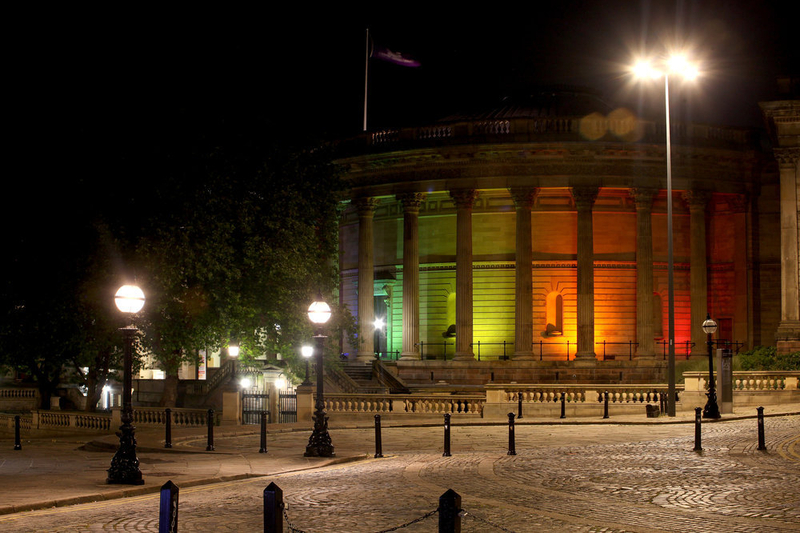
x: 254, y: 401
x: 287, y: 406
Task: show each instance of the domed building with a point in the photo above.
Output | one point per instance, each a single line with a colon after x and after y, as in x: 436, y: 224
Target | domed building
x: 529, y: 243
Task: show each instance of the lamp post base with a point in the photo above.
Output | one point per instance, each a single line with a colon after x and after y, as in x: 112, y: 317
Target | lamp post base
x: 320, y: 444
x: 125, y: 465
x: 711, y: 410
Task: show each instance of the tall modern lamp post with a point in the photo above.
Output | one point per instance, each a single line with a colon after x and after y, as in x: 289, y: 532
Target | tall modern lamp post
x: 307, y: 351
x: 125, y: 465
x: 675, y: 65
x: 711, y: 410
x: 319, y: 444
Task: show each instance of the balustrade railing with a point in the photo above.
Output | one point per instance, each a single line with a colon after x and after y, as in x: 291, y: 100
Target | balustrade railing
x: 748, y: 381
x: 156, y: 416
x: 619, y: 394
x: 402, y: 403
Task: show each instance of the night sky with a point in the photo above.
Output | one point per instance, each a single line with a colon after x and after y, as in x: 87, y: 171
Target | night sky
x: 95, y: 93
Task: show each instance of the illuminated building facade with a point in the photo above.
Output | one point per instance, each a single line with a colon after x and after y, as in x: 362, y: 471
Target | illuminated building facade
x: 530, y: 243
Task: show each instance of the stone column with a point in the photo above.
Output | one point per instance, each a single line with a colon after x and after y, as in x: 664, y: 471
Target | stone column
x: 523, y: 323
x: 464, y: 200
x: 788, y: 334
x: 411, y: 203
x: 584, y: 200
x: 645, y: 328
x: 698, y: 269
x: 366, y: 290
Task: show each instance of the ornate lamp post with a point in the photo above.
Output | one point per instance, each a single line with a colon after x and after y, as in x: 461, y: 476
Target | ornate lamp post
x: 319, y: 444
x: 675, y: 65
x: 711, y: 410
x: 125, y: 465
x: 307, y: 352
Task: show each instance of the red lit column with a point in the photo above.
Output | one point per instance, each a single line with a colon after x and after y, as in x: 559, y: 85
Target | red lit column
x: 411, y: 203
x: 464, y: 200
x: 645, y: 330
x: 584, y: 200
x: 366, y: 301
x: 698, y: 269
x: 523, y: 323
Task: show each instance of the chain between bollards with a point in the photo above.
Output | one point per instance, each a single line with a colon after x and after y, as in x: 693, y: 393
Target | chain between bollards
x: 210, y: 447
x: 446, y: 435
x: 168, y: 428
x: 378, y: 442
x: 697, y: 438
x: 512, y: 447
x: 263, y: 448
x: 761, y: 444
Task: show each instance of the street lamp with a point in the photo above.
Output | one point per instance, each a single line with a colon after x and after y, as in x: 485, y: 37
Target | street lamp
x: 675, y: 65
x: 233, y: 351
x: 125, y: 465
x: 711, y: 410
x: 319, y: 444
x: 307, y: 351
x: 379, y: 324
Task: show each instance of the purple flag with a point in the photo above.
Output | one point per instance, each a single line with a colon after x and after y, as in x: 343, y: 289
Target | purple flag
x: 398, y: 58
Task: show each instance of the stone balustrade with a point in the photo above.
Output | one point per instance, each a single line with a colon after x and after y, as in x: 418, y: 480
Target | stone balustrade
x: 749, y: 387
x: 428, y: 404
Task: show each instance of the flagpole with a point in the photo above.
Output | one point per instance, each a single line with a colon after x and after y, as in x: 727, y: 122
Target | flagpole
x: 366, y: 77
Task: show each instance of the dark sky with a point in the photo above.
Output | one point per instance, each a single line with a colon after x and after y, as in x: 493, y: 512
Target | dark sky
x: 95, y: 91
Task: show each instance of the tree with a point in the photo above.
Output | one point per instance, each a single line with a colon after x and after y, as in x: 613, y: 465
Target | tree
x: 241, y: 235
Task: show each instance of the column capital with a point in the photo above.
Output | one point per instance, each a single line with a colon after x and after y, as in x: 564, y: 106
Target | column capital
x: 365, y: 205
x: 584, y: 196
x: 696, y: 200
x: 464, y: 198
x: 643, y: 197
x: 411, y: 201
x: 523, y: 196
x: 787, y: 157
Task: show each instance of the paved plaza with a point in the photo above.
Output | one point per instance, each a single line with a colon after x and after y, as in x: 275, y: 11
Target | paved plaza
x: 574, y: 477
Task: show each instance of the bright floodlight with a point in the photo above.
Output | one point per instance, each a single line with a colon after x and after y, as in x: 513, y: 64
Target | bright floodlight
x: 307, y: 351
x: 245, y: 383
x: 233, y: 351
x: 643, y: 69
x: 319, y: 312
x: 129, y: 299
x: 379, y: 323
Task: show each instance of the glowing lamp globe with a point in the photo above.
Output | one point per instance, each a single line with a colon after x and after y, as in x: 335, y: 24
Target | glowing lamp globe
x: 319, y: 312
x: 233, y: 351
x: 129, y: 299
x: 307, y: 351
x: 709, y: 326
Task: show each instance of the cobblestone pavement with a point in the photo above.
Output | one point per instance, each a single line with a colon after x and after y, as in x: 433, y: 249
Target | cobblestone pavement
x: 584, y: 478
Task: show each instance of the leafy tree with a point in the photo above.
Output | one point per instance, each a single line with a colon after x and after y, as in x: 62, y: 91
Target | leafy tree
x: 241, y: 234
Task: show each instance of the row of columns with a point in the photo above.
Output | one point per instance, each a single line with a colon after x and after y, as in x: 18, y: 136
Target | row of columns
x: 584, y: 199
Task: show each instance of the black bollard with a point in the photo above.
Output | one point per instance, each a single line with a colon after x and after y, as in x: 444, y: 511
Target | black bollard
x: 563, y: 405
x: 761, y: 445
x: 168, y: 508
x: 273, y: 509
x: 697, y: 438
x: 450, y: 512
x: 662, y: 399
x: 446, y: 435
x: 512, y: 446
x: 519, y: 405
x: 378, y: 443
x: 263, y: 448
x: 168, y: 428
x: 210, y: 447
x: 605, y: 406
x: 17, y: 441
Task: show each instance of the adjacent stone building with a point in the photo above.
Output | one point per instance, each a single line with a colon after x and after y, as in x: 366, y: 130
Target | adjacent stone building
x: 529, y: 242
